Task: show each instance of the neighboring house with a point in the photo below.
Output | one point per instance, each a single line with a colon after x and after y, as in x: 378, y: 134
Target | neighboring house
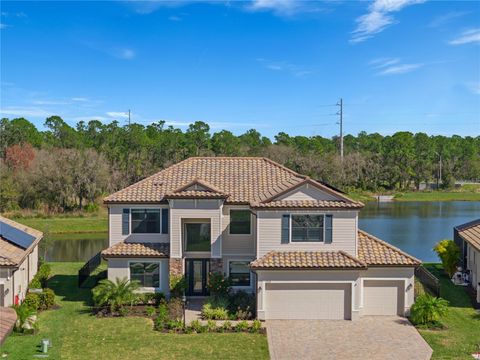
x: 290, y: 239
x: 467, y: 237
x: 18, y: 260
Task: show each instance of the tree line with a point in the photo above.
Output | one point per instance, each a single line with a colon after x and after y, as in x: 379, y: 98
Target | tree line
x: 64, y: 167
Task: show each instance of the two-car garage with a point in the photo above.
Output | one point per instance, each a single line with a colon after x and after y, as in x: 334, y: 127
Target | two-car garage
x: 308, y: 301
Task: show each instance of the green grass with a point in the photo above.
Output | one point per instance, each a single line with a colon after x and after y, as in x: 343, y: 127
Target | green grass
x: 76, y: 334
x: 462, y: 336
x: 438, y: 196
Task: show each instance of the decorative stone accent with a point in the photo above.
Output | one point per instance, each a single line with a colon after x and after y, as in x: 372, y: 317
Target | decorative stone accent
x: 216, y: 265
x: 176, y: 266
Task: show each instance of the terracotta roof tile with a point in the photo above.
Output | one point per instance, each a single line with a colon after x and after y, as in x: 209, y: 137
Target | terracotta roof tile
x: 331, y: 204
x: 375, y: 252
x: 307, y: 260
x: 244, y: 179
x: 124, y: 249
x: 195, y: 194
x: 470, y: 232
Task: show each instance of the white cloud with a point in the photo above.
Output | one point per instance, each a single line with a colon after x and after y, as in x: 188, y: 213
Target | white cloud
x: 468, y: 36
x: 282, y: 7
x: 446, y: 18
x: 474, y: 87
x: 79, y: 99
x: 295, y: 70
x: 28, y: 111
x: 3, y: 26
x: 174, y: 18
x: 124, y: 53
x: 118, y: 114
x: 393, y: 66
x: 378, y: 18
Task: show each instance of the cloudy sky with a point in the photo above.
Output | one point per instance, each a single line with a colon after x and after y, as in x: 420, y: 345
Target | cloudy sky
x: 270, y: 65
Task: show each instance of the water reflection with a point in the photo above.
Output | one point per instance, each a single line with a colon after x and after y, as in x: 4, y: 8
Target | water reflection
x: 416, y: 226
x: 73, y: 247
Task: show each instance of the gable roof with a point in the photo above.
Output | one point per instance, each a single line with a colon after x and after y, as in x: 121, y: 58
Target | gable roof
x: 132, y: 249
x: 470, y: 232
x: 12, y: 254
x: 242, y: 180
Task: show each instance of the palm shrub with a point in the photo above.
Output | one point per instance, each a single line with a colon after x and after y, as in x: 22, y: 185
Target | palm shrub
x: 428, y: 310
x: 449, y: 253
x: 26, y: 319
x: 114, y: 294
x: 178, y: 285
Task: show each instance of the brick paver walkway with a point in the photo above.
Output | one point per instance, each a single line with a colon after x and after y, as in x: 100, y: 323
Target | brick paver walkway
x: 371, y: 338
x: 7, y: 320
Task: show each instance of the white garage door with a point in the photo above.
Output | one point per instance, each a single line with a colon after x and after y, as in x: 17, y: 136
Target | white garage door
x: 383, y: 297
x: 307, y: 301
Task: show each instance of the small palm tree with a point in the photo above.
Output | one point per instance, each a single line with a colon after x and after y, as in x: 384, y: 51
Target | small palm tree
x: 25, y: 317
x: 428, y: 309
x: 114, y: 294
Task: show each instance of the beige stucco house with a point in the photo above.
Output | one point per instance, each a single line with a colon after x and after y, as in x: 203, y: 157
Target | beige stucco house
x: 290, y: 239
x: 18, y: 260
x: 467, y: 237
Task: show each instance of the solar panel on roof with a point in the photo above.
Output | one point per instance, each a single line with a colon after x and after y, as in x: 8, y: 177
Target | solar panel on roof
x: 16, y: 236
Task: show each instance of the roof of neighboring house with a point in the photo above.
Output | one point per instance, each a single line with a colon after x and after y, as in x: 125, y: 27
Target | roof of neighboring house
x: 241, y: 180
x: 371, y: 252
x: 376, y: 252
x: 470, y: 232
x: 12, y: 254
x: 305, y: 260
x: 126, y: 249
x: 310, y: 204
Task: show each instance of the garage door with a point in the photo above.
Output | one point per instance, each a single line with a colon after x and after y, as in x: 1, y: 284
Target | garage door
x: 307, y: 301
x: 381, y: 297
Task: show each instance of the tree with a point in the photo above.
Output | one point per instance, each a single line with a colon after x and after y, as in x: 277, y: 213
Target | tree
x: 225, y: 143
x: 19, y: 156
x: 428, y: 310
x: 449, y: 253
x: 114, y: 294
x: 198, y: 138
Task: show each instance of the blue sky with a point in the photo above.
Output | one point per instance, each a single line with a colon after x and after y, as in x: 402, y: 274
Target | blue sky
x: 270, y: 65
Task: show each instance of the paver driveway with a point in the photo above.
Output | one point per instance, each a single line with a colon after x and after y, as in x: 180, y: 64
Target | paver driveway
x: 371, y: 338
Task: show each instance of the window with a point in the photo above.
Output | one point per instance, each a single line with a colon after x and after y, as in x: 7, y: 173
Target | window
x: 197, y: 237
x: 145, y: 221
x: 240, y: 222
x: 239, y: 273
x: 148, y: 274
x: 307, y: 228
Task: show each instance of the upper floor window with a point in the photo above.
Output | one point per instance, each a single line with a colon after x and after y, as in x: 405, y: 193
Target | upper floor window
x: 197, y: 237
x: 307, y: 228
x: 240, y: 222
x: 145, y: 221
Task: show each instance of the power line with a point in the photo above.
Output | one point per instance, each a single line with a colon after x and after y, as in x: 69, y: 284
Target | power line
x: 340, y: 113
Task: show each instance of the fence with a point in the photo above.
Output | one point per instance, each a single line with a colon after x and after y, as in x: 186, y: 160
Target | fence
x: 428, y: 280
x: 88, y: 268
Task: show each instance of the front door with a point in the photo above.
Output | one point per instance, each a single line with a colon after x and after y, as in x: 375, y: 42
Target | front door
x: 196, y: 273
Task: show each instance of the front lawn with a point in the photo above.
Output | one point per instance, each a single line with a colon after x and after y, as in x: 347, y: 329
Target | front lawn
x: 462, y: 336
x: 76, y: 334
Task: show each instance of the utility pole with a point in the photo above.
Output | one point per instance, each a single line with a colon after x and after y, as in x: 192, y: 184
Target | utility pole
x: 128, y: 117
x: 340, y: 113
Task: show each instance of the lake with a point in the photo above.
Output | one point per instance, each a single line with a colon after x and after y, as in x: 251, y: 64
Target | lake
x: 414, y: 227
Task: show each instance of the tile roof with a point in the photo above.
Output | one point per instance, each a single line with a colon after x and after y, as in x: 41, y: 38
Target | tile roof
x: 330, y: 204
x: 244, y: 179
x: 12, y: 254
x: 304, y: 260
x: 195, y: 194
x: 125, y: 249
x: 376, y: 252
x: 470, y: 232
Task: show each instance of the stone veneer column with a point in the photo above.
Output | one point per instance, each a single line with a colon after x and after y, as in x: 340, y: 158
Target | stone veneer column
x: 176, y: 267
x: 216, y: 265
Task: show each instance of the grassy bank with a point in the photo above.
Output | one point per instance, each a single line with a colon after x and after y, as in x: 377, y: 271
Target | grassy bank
x: 462, y: 336
x: 76, y: 334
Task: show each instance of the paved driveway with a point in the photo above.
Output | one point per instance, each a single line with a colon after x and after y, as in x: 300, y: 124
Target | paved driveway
x: 371, y: 338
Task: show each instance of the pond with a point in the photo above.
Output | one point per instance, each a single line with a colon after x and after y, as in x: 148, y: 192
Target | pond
x: 414, y: 227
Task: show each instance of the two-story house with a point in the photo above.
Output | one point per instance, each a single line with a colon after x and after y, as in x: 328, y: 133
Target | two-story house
x: 290, y: 239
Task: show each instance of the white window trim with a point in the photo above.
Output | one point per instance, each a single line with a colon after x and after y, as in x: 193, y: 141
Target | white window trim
x: 250, y: 272
x: 230, y: 221
x: 305, y: 242
x: 143, y: 208
x: 148, y: 288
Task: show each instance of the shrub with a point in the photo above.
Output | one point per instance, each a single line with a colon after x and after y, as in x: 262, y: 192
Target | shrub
x: 163, y: 310
x: 241, y: 326
x: 150, y: 311
x: 218, y: 284
x: 175, y: 309
x: 210, y: 313
x: 256, y: 326
x: 428, y: 310
x: 47, y: 299
x: 178, y: 285
x: 26, y: 319
x: 32, y: 300
x: 124, y: 311
x: 227, y: 325
x: 158, y: 297
x: 174, y: 325
x: 40, y: 279
x: 211, y: 326
x: 242, y: 304
x: 114, y: 294
x: 35, y: 283
x: 449, y: 253
x: 196, y: 326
